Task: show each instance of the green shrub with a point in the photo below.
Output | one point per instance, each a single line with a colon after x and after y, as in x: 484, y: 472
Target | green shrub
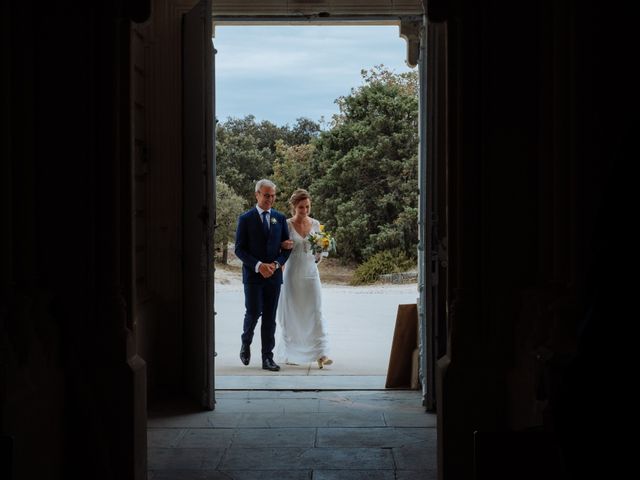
x: 390, y: 261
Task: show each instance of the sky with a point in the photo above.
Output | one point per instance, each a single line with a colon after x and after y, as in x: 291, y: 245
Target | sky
x: 281, y: 73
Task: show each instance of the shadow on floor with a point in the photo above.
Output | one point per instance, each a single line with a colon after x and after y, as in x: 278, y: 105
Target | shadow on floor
x: 318, y: 435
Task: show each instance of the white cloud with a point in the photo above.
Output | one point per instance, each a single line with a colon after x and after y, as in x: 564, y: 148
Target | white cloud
x: 248, y: 62
x: 282, y: 73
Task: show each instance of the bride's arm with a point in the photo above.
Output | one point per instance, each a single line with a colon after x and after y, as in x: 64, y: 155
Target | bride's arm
x: 288, y: 243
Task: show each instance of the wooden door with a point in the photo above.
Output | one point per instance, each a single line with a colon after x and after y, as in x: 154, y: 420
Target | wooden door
x: 198, y: 198
x: 433, y: 201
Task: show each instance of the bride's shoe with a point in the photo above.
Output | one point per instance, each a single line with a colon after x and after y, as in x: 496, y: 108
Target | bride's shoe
x: 322, y: 361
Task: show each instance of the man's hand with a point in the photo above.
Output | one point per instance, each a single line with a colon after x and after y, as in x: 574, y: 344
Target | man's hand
x: 267, y: 269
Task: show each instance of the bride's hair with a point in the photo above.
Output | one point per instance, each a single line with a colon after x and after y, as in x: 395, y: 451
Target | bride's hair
x: 296, y: 197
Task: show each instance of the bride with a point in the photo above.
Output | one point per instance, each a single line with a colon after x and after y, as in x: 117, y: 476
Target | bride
x: 302, y: 335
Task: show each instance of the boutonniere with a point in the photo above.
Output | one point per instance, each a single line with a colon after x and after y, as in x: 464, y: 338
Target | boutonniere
x: 274, y: 221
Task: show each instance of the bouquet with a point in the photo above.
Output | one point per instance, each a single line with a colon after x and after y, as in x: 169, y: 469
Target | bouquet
x: 321, y: 243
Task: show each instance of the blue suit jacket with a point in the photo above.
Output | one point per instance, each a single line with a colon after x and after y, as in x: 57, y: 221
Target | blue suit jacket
x: 252, y: 245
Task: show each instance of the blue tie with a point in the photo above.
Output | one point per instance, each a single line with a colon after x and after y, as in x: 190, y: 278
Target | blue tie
x: 265, y: 224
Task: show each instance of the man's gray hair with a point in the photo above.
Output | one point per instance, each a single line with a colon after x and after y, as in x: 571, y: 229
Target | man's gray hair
x: 264, y: 183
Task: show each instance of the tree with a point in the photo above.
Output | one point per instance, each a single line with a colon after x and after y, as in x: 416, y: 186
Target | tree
x: 229, y: 206
x: 365, y: 167
x: 247, y: 151
x: 291, y: 170
x: 240, y: 160
x: 302, y: 132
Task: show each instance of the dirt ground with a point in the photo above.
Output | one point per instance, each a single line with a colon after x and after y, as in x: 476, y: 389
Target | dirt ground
x: 331, y: 271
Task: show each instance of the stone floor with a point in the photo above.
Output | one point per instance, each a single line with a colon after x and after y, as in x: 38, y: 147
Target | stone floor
x: 288, y: 434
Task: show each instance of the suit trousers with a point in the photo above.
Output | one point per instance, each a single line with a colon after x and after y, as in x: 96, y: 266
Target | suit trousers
x: 261, y: 299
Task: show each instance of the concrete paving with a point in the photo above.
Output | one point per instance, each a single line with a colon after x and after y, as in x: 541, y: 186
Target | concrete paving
x: 360, y: 322
x: 276, y: 381
x: 295, y: 435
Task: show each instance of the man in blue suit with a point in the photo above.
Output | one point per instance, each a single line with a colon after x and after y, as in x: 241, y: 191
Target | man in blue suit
x: 259, y: 237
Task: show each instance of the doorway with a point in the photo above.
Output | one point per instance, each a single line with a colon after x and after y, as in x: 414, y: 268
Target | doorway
x: 291, y: 68
x: 411, y: 27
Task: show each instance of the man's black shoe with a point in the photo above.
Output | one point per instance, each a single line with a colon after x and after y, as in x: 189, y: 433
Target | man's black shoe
x: 269, y: 364
x: 245, y: 353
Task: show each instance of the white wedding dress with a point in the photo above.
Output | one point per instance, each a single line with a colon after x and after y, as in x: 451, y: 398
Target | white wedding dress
x: 301, y: 333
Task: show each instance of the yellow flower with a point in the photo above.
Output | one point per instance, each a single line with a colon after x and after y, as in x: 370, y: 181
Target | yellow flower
x: 321, y: 242
x: 322, y: 228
